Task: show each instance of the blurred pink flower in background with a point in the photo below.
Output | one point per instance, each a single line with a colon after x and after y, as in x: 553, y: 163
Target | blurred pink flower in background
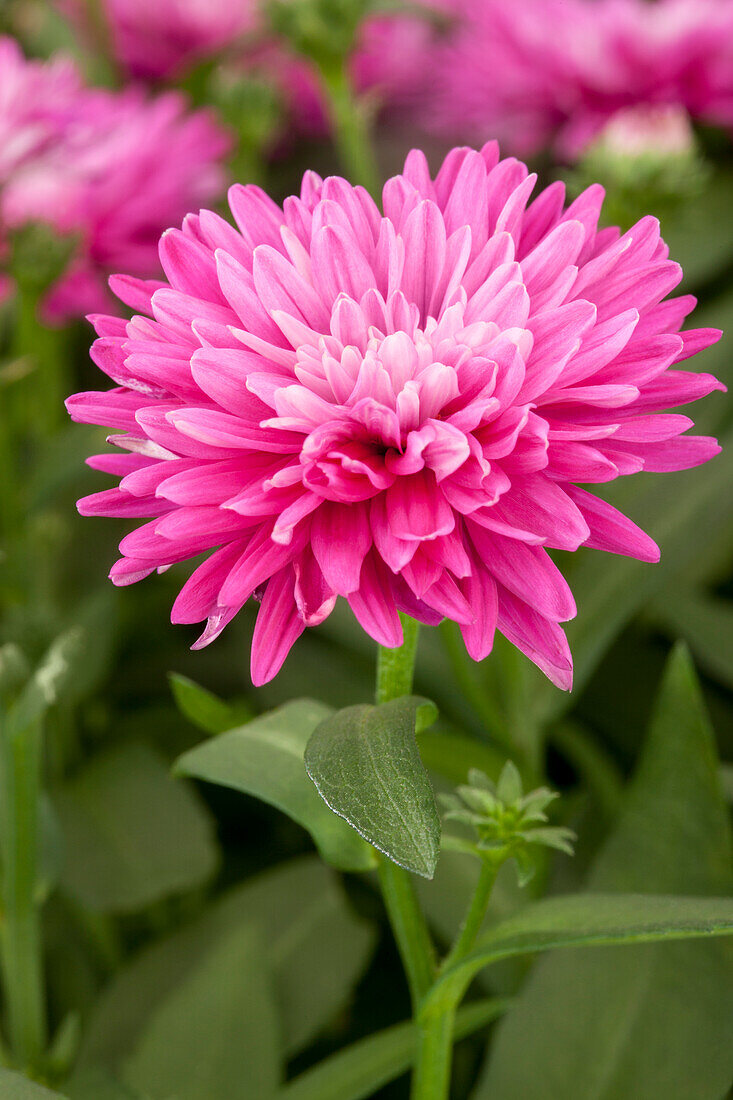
x: 395, y: 409
x: 37, y: 99
x: 159, y: 39
x: 110, y: 168
x: 546, y: 71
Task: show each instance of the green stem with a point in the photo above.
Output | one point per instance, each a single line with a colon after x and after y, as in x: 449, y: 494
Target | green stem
x: 395, y: 671
x: 436, y: 1022
x: 42, y: 393
x: 431, y: 1079
x: 20, y: 942
x: 475, y: 915
x: 434, y: 1016
x: 350, y: 126
x: 409, y: 928
x: 396, y: 667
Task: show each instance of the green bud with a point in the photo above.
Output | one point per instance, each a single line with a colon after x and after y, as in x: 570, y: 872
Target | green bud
x: 647, y: 158
x: 505, y: 822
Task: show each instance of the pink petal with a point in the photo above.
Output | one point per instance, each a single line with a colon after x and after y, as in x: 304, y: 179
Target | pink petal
x: 340, y: 538
x: 278, y: 626
x: 543, y: 642
x: 612, y: 531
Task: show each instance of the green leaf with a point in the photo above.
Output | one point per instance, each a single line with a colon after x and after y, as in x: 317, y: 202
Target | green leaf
x: 215, y: 1036
x: 365, y: 763
x: 692, y: 231
x: 48, y: 681
x: 317, y: 949
x: 132, y: 834
x: 203, y: 708
x: 265, y: 759
x: 357, y: 1072
x: 13, y: 1086
x: 586, y: 920
x: 452, y: 755
x: 706, y: 624
x: 653, y: 1021
x: 99, y: 1085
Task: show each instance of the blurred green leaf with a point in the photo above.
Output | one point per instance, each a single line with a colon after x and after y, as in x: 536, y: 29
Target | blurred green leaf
x: 366, y: 766
x: 451, y: 756
x: 692, y: 230
x: 132, y: 834
x: 265, y: 758
x: 99, y: 1085
x: 51, y: 849
x: 14, y: 670
x: 680, y: 513
x: 49, y: 680
x: 317, y: 948
x: 706, y: 624
x: 13, y: 1086
x: 204, y: 709
x: 358, y: 1071
x: 215, y: 1036
x: 649, y: 1021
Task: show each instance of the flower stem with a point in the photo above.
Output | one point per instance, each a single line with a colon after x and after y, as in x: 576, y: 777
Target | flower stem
x: 395, y: 671
x: 409, y: 928
x: 396, y: 667
x: 434, y: 1016
x: 475, y: 915
x: 20, y: 936
x: 436, y: 1021
x: 431, y: 1079
x: 350, y: 125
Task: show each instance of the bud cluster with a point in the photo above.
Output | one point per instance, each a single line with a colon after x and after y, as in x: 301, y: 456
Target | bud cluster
x: 505, y: 821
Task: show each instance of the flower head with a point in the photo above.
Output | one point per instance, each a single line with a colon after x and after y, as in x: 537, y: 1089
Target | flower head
x: 107, y: 168
x: 397, y: 408
x: 557, y: 70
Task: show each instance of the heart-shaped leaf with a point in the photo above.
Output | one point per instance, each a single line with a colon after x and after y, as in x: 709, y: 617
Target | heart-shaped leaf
x: 365, y: 763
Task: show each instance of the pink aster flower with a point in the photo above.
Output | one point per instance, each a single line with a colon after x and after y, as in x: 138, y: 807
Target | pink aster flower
x: 37, y: 99
x: 557, y: 70
x: 398, y: 408
x: 110, y: 169
x: 159, y: 40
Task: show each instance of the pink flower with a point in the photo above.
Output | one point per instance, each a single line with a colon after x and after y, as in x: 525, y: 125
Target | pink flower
x: 557, y: 70
x: 110, y: 168
x: 37, y: 99
x: 395, y: 409
x: 160, y: 39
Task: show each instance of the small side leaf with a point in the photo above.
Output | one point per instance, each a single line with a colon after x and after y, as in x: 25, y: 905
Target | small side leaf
x: 265, y: 759
x: 365, y: 763
x: 204, y: 709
